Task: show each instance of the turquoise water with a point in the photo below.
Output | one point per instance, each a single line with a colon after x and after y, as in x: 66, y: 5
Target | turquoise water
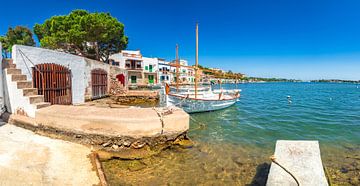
x: 232, y: 146
x: 326, y: 112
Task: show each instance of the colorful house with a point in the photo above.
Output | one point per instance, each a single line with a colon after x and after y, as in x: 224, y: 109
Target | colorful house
x: 140, y: 70
x: 132, y: 62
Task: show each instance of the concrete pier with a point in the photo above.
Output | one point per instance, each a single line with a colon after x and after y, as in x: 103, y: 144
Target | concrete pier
x: 111, y: 129
x: 300, y: 158
x: 130, y: 122
x: 30, y: 159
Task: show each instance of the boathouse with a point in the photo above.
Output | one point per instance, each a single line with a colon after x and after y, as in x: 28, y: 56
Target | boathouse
x: 35, y: 77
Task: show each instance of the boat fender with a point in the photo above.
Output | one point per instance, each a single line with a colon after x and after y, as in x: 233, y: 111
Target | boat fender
x: 167, y: 89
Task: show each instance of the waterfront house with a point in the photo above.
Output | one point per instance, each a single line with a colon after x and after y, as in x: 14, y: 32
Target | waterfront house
x: 132, y: 62
x: 186, y: 73
x: 164, y: 73
x: 140, y: 70
x: 150, y: 70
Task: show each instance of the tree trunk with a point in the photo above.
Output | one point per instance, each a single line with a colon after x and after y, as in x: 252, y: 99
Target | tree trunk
x: 97, y: 51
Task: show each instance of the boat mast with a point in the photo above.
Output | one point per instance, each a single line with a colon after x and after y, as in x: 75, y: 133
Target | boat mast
x: 196, y: 59
x: 177, y: 67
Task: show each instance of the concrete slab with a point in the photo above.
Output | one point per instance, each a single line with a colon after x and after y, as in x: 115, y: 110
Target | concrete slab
x: 30, y: 159
x: 302, y: 159
x: 131, y: 122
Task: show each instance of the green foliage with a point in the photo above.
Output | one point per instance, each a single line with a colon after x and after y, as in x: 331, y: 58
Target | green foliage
x: 19, y: 35
x: 93, y: 35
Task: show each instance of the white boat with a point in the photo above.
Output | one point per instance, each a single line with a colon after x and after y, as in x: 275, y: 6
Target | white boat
x: 205, y: 100
x: 199, y: 99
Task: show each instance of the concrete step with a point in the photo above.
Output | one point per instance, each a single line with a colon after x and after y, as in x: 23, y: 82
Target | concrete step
x: 30, y: 91
x: 11, y: 65
x: 24, y: 84
x: 36, y: 99
x: 8, y: 65
x: 42, y: 105
x: 18, y: 77
x: 13, y: 71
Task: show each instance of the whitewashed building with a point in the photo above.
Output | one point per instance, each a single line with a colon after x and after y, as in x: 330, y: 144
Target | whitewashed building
x: 36, y: 77
x: 186, y: 72
x: 165, y: 75
x: 150, y: 70
x: 132, y: 62
x: 140, y: 70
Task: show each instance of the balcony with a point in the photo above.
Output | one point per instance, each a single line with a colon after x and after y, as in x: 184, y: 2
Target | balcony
x: 134, y: 65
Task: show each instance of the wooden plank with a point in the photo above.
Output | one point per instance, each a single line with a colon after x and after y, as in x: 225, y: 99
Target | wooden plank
x: 302, y: 159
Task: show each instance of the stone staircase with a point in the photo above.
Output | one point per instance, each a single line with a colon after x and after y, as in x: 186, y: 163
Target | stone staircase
x: 23, y: 98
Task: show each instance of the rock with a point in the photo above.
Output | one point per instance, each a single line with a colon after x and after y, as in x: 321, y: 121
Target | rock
x: 344, y: 170
x: 136, y: 165
x: 106, y: 144
x: 238, y: 161
x: 115, y: 147
x: 184, y: 143
x: 355, y: 181
x: 126, y: 143
x: 137, y: 145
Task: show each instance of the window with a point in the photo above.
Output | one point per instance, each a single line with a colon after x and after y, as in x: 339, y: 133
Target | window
x: 151, y: 79
x: 150, y: 68
x: 133, y: 79
x: 138, y: 64
x: 127, y: 64
x: 146, y: 68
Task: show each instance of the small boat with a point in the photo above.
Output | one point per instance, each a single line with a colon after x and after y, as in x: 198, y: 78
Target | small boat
x: 204, y: 101
x: 199, y: 99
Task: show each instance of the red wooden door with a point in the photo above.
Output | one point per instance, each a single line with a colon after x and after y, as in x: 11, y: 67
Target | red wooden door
x: 54, y: 82
x: 99, y: 83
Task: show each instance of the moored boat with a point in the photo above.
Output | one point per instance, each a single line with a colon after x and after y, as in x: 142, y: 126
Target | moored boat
x: 207, y: 101
x: 199, y: 99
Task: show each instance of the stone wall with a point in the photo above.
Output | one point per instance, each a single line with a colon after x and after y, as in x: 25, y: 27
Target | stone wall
x: 115, y: 87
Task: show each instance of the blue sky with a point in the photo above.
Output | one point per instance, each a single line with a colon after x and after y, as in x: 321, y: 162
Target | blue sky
x: 305, y: 39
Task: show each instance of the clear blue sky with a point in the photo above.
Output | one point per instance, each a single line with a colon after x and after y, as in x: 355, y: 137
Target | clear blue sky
x: 302, y: 39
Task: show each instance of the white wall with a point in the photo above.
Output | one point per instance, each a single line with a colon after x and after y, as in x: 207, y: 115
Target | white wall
x: 2, y: 101
x: 39, y: 55
x: 118, y: 58
x: 150, y: 61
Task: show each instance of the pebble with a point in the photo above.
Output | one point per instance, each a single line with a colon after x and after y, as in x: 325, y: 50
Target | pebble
x: 115, y: 147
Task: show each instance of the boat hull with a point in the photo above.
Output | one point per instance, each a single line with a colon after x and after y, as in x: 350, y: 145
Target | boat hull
x: 191, y: 105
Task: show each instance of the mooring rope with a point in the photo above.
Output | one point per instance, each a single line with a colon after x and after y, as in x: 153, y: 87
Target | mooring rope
x: 201, y: 125
x: 273, y: 159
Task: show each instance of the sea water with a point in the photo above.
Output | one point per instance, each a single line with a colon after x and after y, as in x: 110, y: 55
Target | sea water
x: 233, y: 146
